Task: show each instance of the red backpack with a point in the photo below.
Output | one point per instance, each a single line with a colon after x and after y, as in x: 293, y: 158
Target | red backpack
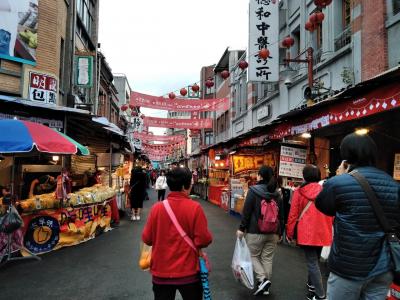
x: 269, y: 220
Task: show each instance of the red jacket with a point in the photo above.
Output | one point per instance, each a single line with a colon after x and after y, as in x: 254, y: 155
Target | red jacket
x: 171, y: 256
x: 314, y: 228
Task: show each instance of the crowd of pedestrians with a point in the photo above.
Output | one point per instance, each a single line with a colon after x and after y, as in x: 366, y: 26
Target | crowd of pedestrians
x: 334, y: 213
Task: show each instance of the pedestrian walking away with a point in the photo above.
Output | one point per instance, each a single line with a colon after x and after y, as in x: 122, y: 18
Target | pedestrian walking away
x: 360, y: 261
x: 161, y: 185
x: 174, y: 264
x: 137, y: 193
x: 262, y: 240
x: 314, y: 229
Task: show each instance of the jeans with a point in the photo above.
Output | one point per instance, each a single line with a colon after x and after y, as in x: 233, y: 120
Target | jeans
x: 314, y: 273
x: 375, y: 288
x: 192, y: 291
x: 161, y: 195
x: 262, y: 249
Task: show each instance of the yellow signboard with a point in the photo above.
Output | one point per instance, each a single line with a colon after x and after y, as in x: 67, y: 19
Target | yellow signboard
x: 252, y: 162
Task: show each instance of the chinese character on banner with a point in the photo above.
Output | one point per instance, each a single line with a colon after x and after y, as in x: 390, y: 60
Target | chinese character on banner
x: 263, y: 33
x: 42, y: 88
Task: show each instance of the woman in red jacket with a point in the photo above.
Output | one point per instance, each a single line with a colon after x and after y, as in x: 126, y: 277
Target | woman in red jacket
x: 174, y: 264
x: 314, y: 229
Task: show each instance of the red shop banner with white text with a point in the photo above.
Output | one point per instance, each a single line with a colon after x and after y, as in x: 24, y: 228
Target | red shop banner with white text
x: 158, y: 138
x: 143, y: 100
x: 178, y: 123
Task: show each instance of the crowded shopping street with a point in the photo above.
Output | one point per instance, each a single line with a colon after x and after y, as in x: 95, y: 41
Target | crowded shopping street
x: 200, y: 150
x: 107, y: 267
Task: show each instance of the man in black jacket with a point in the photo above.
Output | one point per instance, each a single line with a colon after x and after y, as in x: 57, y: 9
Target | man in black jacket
x: 261, y: 245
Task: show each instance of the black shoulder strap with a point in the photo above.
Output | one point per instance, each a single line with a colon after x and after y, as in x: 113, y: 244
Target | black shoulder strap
x: 373, y: 200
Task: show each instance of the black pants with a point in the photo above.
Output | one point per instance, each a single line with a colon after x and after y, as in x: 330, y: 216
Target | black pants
x: 161, y: 195
x: 192, y: 291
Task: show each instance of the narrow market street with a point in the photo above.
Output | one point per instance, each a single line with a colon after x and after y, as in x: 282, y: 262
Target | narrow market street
x: 106, y: 267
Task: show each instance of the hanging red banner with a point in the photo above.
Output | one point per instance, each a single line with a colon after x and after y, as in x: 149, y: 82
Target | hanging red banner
x: 143, y: 100
x: 178, y: 123
x: 158, y: 138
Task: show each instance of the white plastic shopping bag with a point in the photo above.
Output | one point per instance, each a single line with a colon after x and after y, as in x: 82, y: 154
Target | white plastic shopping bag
x: 325, y: 253
x: 242, y: 266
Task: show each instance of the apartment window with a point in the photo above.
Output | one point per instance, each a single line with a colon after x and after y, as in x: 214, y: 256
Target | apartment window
x: 396, y: 7
x: 61, y: 69
x: 84, y: 12
x: 208, y: 137
x: 346, y: 13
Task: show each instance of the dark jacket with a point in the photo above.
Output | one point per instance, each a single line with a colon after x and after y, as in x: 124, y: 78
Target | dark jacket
x: 358, y: 250
x: 252, y: 208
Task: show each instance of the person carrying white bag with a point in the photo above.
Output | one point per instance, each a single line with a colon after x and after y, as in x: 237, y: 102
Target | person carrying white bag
x: 242, y: 266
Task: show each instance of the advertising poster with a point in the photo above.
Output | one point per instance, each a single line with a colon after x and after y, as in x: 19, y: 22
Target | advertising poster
x: 396, y: 170
x: 292, y: 161
x: 52, y: 229
x: 18, y: 30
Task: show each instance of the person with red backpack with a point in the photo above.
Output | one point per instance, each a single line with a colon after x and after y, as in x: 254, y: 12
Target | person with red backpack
x: 262, y: 221
x: 314, y: 229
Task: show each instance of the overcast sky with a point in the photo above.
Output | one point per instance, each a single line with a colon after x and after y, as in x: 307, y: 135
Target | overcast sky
x: 161, y: 45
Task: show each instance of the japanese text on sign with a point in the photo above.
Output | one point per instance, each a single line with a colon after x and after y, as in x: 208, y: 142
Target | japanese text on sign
x: 263, y: 33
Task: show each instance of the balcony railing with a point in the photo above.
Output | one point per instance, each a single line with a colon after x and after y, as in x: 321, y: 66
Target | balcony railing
x: 343, y: 39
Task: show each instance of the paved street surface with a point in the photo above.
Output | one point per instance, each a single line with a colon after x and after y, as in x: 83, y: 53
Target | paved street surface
x: 106, y: 267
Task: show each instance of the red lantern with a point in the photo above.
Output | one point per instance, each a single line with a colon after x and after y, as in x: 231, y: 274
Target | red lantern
x: 263, y: 53
x: 124, y: 107
x: 183, y: 92
x: 288, y: 42
x: 309, y: 26
x: 195, y: 88
x: 142, y: 116
x: 319, y: 3
x: 171, y: 96
x: 225, y: 74
x: 134, y: 114
x: 320, y: 17
x: 314, y: 19
x: 131, y: 106
x: 209, y: 83
x: 243, y: 64
x: 327, y: 2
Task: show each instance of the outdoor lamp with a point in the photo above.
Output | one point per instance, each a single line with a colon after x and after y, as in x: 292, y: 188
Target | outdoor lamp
x: 306, y: 135
x: 362, y: 131
x: 56, y: 158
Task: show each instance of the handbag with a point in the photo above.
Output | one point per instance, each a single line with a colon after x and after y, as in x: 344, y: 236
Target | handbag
x: 390, y: 233
x: 10, y: 221
x: 203, y: 259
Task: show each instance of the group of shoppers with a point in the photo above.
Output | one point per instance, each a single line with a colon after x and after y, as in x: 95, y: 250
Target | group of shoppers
x: 359, y: 262
x: 334, y: 213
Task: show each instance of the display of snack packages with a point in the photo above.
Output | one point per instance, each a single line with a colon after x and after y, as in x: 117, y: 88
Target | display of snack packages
x: 95, y: 194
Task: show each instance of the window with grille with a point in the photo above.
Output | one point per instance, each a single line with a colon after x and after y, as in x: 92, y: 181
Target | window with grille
x: 396, y: 7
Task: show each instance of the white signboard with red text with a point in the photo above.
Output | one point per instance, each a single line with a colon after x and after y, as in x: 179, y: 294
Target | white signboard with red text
x: 292, y: 161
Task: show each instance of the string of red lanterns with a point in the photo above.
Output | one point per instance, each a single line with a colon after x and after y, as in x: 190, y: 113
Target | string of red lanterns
x: 317, y: 17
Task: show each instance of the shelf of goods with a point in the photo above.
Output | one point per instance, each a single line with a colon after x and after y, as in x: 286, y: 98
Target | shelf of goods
x: 48, y: 226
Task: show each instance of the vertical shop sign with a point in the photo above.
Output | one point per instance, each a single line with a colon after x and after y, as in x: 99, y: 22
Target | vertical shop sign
x: 292, y: 162
x: 263, y: 33
x: 42, y: 88
x: 84, y: 73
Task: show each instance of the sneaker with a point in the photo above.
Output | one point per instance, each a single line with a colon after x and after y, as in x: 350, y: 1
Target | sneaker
x: 138, y: 218
x: 133, y: 218
x: 310, y: 287
x: 266, y: 292
x: 319, y: 298
x: 310, y: 295
x: 262, y: 286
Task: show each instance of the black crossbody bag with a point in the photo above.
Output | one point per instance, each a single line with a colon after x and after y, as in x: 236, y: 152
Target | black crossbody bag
x: 392, y: 237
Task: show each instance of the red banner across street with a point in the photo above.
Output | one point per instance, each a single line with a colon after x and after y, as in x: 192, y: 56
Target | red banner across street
x: 178, y: 123
x: 159, y: 138
x: 143, y: 100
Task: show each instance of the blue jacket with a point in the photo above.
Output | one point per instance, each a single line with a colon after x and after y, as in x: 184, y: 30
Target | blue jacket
x: 358, y: 250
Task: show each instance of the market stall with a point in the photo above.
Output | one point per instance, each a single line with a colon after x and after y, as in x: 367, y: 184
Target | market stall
x: 53, y: 215
x: 218, y: 178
